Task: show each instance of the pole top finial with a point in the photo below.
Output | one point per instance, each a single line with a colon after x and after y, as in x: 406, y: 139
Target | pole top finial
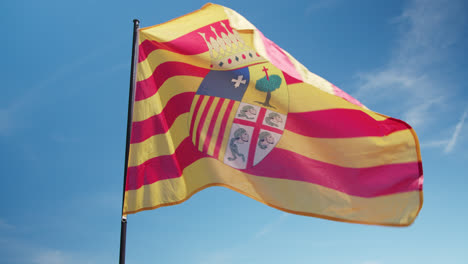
x: 136, y: 21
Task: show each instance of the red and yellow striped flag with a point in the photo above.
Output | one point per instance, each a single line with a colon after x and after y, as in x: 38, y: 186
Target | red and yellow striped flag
x: 218, y: 104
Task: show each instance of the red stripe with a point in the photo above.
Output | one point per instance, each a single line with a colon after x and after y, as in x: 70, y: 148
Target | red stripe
x: 250, y: 123
x: 223, y: 128
x: 202, y: 120
x: 159, y: 124
x: 163, y: 167
x: 287, y: 165
x: 180, y: 46
x: 209, y: 134
x: 253, y: 142
x: 363, y: 182
x: 188, y: 44
x: 341, y: 123
x: 289, y: 79
x: 194, y: 115
x: 148, y: 87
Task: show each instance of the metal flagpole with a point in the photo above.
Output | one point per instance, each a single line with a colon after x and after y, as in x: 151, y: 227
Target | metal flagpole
x: 131, y: 96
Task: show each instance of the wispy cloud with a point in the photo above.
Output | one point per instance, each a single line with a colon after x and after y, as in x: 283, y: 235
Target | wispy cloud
x: 51, y: 257
x: 448, y: 144
x: 55, y: 256
x: 5, y: 226
x: 435, y: 143
x: 231, y: 254
x: 427, y: 31
x: 220, y: 256
x: 456, y: 133
x: 28, y: 99
x: 419, y: 114
x: 270, y: 226
x: 24, y: 251
x: 103, y: 199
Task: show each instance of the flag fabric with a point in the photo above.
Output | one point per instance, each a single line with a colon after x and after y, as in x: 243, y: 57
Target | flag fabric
x: 219, y: 104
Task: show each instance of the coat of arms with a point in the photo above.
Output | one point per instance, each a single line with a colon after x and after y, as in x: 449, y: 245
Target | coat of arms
x: 240, y: 109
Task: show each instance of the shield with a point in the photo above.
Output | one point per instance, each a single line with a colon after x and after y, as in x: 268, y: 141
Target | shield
x: 238, y: 116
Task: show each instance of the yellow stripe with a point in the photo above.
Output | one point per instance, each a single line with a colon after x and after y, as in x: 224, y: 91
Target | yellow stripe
x: 154, y: 105
x: 227, y: 132
x: 361, y: 152
x: 144, y: 70
x: 198, y: 117
x: 207, y: 123
x: 290, y: 196
x: 159, y: 145
x: 305, y: 97
x: 157, y: 57
x: 180, y: 26
x: 192, y: 109
x: 217, y: 127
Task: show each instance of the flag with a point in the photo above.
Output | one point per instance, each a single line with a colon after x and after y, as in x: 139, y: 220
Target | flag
x: 219, y: 104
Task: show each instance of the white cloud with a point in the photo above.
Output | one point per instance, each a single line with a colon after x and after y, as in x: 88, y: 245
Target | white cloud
x: 22, y: 251
x: 448, y: 144
x: 231, y: 254
x: 222, y: 256
x: 11, y: 112
x: 430, y: 27
x: 14, y: 249
x: 51, y: 257
x: 99, y: 200
x: 456, y: 133
x: 418, y: 115
x: 55, y: 256
x: 435, y: 144
x: 5, y: 226
x: 409, y: 85
x: 270, y: 226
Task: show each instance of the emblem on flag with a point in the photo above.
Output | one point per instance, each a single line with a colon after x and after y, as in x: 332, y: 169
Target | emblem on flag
x: 240, y: 109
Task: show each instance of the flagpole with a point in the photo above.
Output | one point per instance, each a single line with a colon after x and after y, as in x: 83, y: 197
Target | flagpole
x: 131, y: 96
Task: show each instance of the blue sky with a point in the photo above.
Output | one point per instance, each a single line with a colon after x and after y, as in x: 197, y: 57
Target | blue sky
x: 65, y: 75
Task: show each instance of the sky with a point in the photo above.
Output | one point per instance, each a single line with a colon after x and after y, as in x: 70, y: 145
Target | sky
x: 65, y: 72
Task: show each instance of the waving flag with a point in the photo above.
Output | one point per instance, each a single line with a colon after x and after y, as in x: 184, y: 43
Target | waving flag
x: 219, y: 104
